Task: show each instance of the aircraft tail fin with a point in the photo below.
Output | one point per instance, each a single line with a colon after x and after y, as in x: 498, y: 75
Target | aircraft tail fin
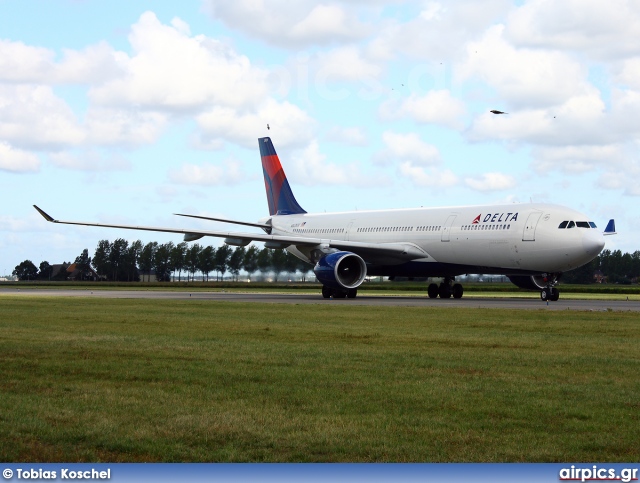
x: 611, y: 228
x: 279, y: 194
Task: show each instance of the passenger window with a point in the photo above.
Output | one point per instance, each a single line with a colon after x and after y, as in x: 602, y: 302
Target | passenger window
x: 571, y: 224
x: 563, y: 224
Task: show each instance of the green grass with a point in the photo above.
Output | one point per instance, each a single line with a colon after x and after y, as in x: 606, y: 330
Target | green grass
x: 153, y: 380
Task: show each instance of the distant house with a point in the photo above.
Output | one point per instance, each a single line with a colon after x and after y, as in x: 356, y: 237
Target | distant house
x: 599, y: 277
x: 147, y: 275
x: 72, y: 272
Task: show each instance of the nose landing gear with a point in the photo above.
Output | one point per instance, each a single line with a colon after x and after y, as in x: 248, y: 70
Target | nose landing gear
x: 550, y: 292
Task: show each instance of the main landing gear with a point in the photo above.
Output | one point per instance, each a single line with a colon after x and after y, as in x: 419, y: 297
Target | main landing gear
x: 549, y: 292
x: 328, y: 292
x: 445, y: 290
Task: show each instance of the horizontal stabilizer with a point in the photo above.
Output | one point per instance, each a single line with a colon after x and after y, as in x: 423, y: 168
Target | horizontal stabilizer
x: 611, y: 228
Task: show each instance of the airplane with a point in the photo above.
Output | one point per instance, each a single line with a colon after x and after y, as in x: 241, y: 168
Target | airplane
x: 531, y: 243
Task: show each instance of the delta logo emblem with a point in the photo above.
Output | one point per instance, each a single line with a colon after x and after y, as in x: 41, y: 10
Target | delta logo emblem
x: 495, y: 218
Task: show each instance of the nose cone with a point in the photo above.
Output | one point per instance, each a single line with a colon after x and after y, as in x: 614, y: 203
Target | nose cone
x: 593, y: 243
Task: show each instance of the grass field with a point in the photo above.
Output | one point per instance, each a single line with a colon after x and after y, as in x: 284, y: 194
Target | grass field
x: 154, y: 380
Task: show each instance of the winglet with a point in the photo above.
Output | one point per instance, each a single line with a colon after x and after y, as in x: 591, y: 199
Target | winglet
x: 611, y: 228
x: 44, y: 215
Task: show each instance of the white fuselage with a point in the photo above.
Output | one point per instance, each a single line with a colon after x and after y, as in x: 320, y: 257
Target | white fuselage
x: 509, y: 238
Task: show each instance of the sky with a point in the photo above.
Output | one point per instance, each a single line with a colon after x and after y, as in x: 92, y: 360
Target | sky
x: 131, y: 111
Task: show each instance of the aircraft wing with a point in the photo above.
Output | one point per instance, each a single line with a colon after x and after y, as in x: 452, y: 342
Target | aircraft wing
x: 400, y: 251
x: 191, y: 234
x: 226, y: 220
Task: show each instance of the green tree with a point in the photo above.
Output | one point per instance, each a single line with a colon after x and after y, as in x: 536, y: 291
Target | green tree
x: 235, y: 261
x: 304, y: 268
x: 162, y: 263
x: 250, y: 262
x: 583, y: 274
x: 101, y: 257
x: 223, y: 254
x: 131, y: 258
x: 278, y: 263
x: 117, y: 259
x: 264, y: 260
x: 83, y: 263
x: 207, y: 261
x: 290, y: 264
x: 178, y: 255
x: 193, y: 259
x: 44, y: 273
x: 25, y: 271
x: 147, y: 256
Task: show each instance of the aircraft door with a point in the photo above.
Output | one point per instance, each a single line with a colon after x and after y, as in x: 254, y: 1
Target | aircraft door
x: 529, y: 232
x: 446, y: 229
x: 348, y: 232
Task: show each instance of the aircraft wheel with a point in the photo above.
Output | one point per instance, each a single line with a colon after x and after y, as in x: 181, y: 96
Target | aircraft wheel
x: 326, y: 292
x: 544, y: 294
x: 457, y: 291
x: 444, y: 291
x: 432, y: 291
x: 554, y: 294
x: 339, y: 294
x: 351, y: 293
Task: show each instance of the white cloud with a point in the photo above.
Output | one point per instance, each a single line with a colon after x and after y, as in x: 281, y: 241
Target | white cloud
x: 24, y: 63
x: 629, y: 73
x: 289, y: 24
x: 171, y: 70
x: 208, y: 174
x: 491, y: 182
x: 90, y: 160
x: 354, y: 136
x: 16, y: 160
x: 406, y: 148
x: 428, y: 177
x: 114, y: 126
x: 437, y: 107
x: 93, y: 64
x: 289, y: 125
x: 575, y: 159
x: 579, y: 120
x: 346, y: 64
x: 32, y: 116
x: 309, y: 167
x: 525, y: 78
x: 601, y: 29
x: 439, y: 31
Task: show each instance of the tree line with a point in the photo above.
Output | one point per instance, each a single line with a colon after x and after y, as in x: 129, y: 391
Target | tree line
x: 610, y: 267
x: 121, y: 261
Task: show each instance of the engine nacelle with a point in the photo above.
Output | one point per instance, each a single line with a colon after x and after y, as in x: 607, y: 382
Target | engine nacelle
x: 530, y: 282
x: 341, y: 270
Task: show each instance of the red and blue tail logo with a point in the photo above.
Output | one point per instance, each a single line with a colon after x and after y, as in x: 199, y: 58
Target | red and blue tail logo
x: 279, y: 194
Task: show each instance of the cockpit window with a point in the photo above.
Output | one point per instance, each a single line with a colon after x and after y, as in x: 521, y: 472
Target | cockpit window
x: 592, y: 224
x: 563, y: 224
x: 582, y: 224
x: 571, y: 225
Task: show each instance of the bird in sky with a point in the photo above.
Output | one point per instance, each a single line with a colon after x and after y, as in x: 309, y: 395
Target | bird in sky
x: 495, y: 111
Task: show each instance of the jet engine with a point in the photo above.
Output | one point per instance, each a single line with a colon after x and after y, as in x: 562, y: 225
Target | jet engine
x: 341, y: 270
x: 533, y: 282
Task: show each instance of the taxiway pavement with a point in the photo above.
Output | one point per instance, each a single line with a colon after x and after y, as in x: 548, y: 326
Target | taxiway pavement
x: 468, y: 301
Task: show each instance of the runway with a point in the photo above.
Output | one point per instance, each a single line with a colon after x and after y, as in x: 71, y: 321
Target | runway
x: 361, y: 300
